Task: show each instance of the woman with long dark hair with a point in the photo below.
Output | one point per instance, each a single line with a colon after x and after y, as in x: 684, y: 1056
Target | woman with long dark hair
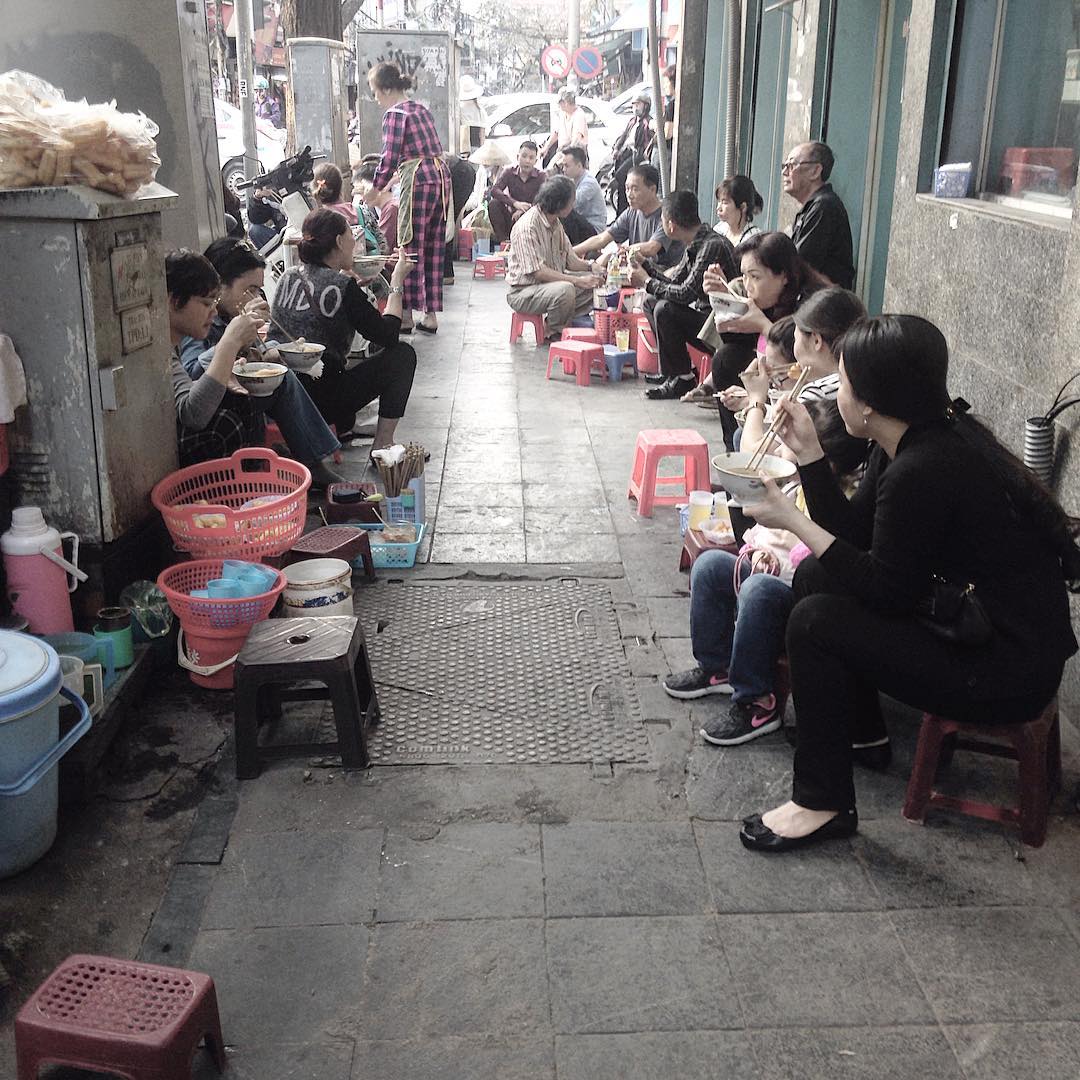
x: 941, y: 501
x: 411, y: 148
x: 737, y: 201
x: 321, y: 301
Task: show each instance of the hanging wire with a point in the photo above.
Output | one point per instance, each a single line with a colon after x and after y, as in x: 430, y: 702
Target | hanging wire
x: 1054, y: 407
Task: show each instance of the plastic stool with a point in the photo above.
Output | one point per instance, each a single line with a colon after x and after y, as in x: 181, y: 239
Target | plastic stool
x: 648, y: 355
x: 489, y: 267
x: 581, y: 354
x: 626, y: 295
x: 1036, y: 745
x: 334, y: 542
x: 329, y: 650
x: 518, y: 322
x: 615, y: 361
x: 652, y: 446
x: 700, y: 361
x: 140, y: 1021
x: 465, y: 244
x: 581, y: 333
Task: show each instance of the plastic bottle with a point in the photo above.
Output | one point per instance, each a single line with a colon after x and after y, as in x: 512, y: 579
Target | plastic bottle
x: 37, y: 583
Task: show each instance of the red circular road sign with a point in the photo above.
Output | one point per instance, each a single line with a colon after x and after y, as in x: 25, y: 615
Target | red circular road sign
x: 588, y: 63
x: 555, y: 61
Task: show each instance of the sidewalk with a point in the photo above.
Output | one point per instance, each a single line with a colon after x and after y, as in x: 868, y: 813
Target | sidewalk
x: 569, y: 915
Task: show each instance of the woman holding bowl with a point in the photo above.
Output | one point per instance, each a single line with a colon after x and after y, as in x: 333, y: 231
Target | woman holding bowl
x: 941, y: 500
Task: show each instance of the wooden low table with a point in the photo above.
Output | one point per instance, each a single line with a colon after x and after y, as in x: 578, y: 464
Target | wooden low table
x: 694, y: 544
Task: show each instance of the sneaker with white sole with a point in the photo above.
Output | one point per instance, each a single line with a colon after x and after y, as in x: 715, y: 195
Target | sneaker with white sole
x: 697, y: 682
x: 745, y: 720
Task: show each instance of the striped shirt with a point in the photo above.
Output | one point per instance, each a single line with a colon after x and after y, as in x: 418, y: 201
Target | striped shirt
x: 534, y: 243
x: 823, y: 389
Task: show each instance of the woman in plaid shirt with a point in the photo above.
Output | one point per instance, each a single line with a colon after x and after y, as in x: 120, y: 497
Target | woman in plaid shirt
x: 411, y: 145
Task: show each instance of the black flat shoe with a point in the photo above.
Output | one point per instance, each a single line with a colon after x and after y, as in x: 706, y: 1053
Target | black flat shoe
x: 757, y: 836
x: 655, y: 380
x: 425, y: 329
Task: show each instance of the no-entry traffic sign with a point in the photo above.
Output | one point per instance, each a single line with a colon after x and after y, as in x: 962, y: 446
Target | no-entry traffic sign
x: 588, y: 63
x: 555, y: 61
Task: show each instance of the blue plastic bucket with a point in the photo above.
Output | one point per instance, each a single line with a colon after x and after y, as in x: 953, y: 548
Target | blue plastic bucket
x: 30, y: 747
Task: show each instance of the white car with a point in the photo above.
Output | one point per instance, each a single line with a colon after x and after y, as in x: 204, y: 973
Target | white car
x: 515, y: 117
x: 623, y: 105
x: 269, y: 143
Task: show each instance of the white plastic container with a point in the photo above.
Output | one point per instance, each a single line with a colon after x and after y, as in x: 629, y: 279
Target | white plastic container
x: 701, y: 508
x: 318, y: 587
x: 30, y: 747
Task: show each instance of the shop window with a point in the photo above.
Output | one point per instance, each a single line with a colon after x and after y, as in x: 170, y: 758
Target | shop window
x: 1012, y: 110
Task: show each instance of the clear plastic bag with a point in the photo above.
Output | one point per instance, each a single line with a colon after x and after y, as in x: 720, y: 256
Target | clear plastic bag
x: 46, y: 140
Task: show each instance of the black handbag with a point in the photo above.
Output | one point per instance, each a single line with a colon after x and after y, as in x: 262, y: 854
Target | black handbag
x: 955, y: 614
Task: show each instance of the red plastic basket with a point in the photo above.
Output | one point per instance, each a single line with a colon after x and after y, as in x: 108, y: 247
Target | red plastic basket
x: 202, y: 504
x: 197, y: 613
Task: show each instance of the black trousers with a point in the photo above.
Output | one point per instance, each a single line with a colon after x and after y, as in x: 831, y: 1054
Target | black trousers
x: 728, y: 362
x: 676, y: 326
x: 388, y: 376
x: 577, y: 228
x: 842, y: 655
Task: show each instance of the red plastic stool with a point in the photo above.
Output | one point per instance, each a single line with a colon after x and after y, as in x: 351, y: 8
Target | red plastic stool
x: 1036, y: 745
x: 465, y: 244
x: 140, y: 1021
x: 489, y: 267
x: 518, y: 322
x: 582, y: 355
x: 624, y: 296
x: 581, y: 333
x: 274, y: 439
x: 701, y: 362
x: 652, y: 446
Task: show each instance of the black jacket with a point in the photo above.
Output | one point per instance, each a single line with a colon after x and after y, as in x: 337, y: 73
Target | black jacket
x: 822, y: 235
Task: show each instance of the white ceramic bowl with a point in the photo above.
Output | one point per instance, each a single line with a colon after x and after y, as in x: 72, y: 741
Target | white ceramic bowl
x: 367, y: 266
x: 748, y: 489
x: 260, y: 385
x: 300, y: 357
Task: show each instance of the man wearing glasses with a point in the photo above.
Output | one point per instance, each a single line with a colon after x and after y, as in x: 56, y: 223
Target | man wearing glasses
x: 821, y: 231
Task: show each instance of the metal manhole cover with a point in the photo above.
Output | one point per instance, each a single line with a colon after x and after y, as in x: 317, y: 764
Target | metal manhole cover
x: 506, y: 673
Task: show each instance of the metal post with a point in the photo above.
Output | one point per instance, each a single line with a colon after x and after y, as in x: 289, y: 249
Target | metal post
x: 658, y: 99
x: 573, y: 39
x: 245, y: 72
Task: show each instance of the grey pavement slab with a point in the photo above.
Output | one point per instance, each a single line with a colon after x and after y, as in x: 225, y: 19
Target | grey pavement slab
x: 296, y: 879
x: 821, y: 970
x: 678, y: 652
x: 650, y: 1055
x: 455, y: 978
x: 315, y: 1059
x: 484, y: 1057
x: 617, y: 868
x: 725, y: 783
x: 480, y: 519
x: 448, y: 547
x: 670, y: 616
x: 1034, y: 1051
x: 570, y: 547
x: 461, y: 872
x: 981, y: 965
x: 273, y: 985
x: 639, y: 974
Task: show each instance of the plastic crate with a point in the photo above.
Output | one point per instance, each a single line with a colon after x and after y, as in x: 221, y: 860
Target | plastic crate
x: 389, y: 556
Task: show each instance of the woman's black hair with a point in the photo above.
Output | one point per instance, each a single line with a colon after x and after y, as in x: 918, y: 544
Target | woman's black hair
x: 327, y: 183
x: 777, y: 252
x: 782, y: 335
x: 555, y: 194
x: 320, y: 232
x: 232, y: 258
x: 829, y: 313
x: 846, y: 452
x: 188, y: 274
x: 388, y: 77
x: 741, y: 191
x: 899, y: 365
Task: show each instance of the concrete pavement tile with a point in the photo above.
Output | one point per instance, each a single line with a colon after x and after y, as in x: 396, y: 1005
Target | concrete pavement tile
x: 503, y: 469
x: 634, y: 621
x: 324, y: 1059
x: 569, y: 519
x: 554, y: 438
x: 823, y: 878
x: 482, y: 519
x: 448, y: 547
x: 656, y: 704
x: 461, y: 872
x: 284, y: 985
x: 1035, y: 1051
x: 570, y: 547
x: 176, y: 920
x: 670, y: 616
x: 554, y: 495
x: 470, y: 494
x: 960, y: 862
x: 815, y: 970
x: 578, y: 470
x: 639, y: 974
x: 678, y: 652
x: 986, y: 964
x: 296, y: 879
x: 862, y: 1053
x: 1053, y: 867
x: 646, y: 659
x: 727, y: 783
x: 650, y: 1055
x: 605, y: 868
x: 483, y: 1057
x: 484, y: 976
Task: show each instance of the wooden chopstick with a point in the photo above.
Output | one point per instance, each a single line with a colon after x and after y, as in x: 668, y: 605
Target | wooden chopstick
x: 770, y: 434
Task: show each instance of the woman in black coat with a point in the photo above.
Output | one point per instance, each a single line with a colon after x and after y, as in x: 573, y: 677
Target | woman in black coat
x: 941, y: 498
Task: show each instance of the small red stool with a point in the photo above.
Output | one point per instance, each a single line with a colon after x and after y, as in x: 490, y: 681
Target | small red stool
x: 140, y: 1021
x: 652, y: 446
x: 581, y: 333
x: 701, y: 362
x: 465, y: 244
x: 625, y: 296
x: 695, y: 545
x: 518, y: 322
x: 489, y: 267
x: 582, y: 355
x: 1036, y: 745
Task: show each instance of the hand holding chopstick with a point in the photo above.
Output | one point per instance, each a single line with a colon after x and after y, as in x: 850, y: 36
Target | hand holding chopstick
x: 763, y: 446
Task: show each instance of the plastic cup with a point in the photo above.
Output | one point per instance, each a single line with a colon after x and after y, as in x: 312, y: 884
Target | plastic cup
x: 224, y: 589
x: 234, y: 568
x: 622, y: 340
x: 701, y: 508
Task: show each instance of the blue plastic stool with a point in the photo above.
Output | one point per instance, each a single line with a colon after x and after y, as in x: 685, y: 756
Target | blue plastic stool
x: 615, y: 360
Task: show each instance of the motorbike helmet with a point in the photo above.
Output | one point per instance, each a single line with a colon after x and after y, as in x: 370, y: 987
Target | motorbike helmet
x: 261, y: 83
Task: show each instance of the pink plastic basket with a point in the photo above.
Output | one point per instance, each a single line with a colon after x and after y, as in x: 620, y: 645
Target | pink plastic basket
x: 198, y: 613
x: 202, y: 504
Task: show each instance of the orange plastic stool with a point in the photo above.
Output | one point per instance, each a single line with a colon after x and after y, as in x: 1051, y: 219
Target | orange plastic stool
x: 652, y: 446
x: 1035, y: 745
x: 701, y: 362
x: 489, y: 267
x: 518, y: 322
x: 581, y: 355
x: 141, y: 1021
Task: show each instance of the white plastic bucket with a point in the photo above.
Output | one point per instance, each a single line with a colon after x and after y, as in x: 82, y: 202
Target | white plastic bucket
x: 30, y: 747
x: 318, y: 587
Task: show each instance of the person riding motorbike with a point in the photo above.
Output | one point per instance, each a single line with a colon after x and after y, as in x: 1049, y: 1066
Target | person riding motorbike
x: 631, y: 148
